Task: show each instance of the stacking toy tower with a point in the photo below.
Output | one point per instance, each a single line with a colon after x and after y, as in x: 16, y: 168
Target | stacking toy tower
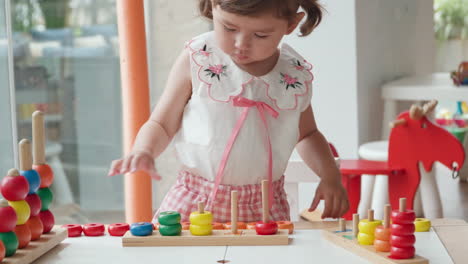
x: 403, y: 238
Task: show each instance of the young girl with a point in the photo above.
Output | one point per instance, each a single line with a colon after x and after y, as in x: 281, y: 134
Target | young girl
x: 236, y: 104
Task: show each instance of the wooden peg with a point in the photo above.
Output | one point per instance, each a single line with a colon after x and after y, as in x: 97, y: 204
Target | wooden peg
x: 370, y: 215
x: 355, y: 225
x: 342, y: 224
x: 201, y: 207
x: 38, y: 136
x: 402, y: 204
x: 398, y: 122
x: 25, y: 155
x: 416, y: 112
x: 234, y: 212
x: 387, y: 212
x: 429, y: 106
x: 266, y: 213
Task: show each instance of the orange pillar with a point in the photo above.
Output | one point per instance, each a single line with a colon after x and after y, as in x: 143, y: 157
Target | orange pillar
x: 136, y: 102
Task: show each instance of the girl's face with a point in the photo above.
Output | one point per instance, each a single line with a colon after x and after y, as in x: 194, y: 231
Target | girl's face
x: 249, y: 39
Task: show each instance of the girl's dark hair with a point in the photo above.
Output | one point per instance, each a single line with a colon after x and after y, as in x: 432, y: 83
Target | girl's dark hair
x: 284, y: 8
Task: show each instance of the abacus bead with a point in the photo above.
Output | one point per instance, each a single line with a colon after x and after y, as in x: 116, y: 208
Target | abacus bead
x: 34, y: 202
x: 402, y: 230
x: 422, y: 225
x: 118, y: 229
x: 406, y: 217
x: 73, y: 230
x: 46, y: 173
x: 33, y: 179
x: 403, y: 241
x: 268, y: 228
x: 382, y: 233
x: 46, y: 198
x: 382, y: 245
x: 23, y: 233
x: 402, y: 253
x: 93, y: 229
x: 48, y: 220
x: 201, y: 219
x: 14, y: 188
x: 10, y: 241
x: 22, y: 211
x: 368, y: 227
x: 9, y: 219
x: 365, y: 239
x: 35, y: 225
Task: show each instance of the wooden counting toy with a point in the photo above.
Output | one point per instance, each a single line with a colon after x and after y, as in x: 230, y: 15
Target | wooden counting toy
x: 367, y: 229
x: 391, y: 242
x: 203, y: 232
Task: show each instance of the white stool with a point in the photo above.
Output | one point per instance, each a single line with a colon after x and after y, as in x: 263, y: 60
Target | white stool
x: 374, y: 188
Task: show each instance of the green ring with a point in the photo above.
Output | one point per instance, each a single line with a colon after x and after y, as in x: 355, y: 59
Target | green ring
x: 46, y: 196
x: 170, y: 230
x: 169, y: 218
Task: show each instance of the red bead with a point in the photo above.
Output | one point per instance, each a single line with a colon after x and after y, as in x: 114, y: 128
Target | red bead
x: 46, y: 174
x: 401, y: 253
x: 14, y: 188
x: 2, y: 251
x: 403, y: 241
x: 48, y: 221
x: 34, y: 202
x: 24, y: 235
x: 402, y: 230
x: 406, y: 217
x: 9, y: 218
x: 73, y: 230
x: 35, y: 225
x: 269, y: 228
x: 93, y: 229
x: 119, y: 229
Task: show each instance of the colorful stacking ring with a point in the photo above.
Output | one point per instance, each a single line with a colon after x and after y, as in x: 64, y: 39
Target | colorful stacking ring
x: 268, y: 228
x: 286, y: 225
x: 422, y: 225
x: 201, y: 230
x: 73, y: 230
x: 10, y: 240
x: 169, y: 218
x: 206, y: 218
x: 240, y: 225
x: 141, y: 229
x: 170, y: 230
x: 118, y: 229
x: 46, y: 196
x: 218, y: 226
x: 94, y: 229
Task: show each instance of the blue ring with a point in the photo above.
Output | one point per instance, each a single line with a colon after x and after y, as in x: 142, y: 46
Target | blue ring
x: 141, y: 229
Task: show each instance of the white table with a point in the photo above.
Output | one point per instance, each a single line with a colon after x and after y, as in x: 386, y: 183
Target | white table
x: 307, y: 246
x: 437, y: 86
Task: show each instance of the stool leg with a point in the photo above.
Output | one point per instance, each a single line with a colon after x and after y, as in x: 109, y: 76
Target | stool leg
x: 430, y: 196
x: 367, y: 188
x: 417, y: 205
x: 380, y: 195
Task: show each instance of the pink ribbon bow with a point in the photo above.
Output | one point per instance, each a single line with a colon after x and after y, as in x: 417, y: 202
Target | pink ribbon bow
x: 262, y: 109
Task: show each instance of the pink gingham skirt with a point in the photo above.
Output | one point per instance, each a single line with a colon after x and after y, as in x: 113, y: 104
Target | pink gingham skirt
x: 190, y: 189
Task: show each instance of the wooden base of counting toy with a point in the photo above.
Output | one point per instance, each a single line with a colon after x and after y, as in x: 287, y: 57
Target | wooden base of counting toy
x: 37, y: 248
x: 345, y: 240
x: 217, y: 238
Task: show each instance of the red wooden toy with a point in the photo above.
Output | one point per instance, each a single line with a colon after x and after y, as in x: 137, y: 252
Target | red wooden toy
x: 24, y: 235
x: 8, y: 216
x: 413, y: 139
x: 48, y: 220
x: 2, y: 251
x: 93, y: 229
x: 14, y: 187
x: 402, y: 239
x: 35, y: 203
x: 118, y: 229
x: 35, y: 225
x: 266, y: 227
x: 73, y: 230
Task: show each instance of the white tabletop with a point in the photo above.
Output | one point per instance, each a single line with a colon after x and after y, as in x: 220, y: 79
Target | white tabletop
x: 307, y: 246
x: 424, y: 87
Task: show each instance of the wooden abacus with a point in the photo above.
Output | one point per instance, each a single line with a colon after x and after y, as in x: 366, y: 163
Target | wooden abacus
x: 49, y: 235
x: 232, y: 237
x: 347, y: 239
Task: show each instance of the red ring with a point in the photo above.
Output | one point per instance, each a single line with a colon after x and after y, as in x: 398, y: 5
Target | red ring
x: 93, y: 229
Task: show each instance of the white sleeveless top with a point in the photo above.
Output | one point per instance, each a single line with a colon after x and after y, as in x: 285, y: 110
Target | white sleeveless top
x: 210, y: 116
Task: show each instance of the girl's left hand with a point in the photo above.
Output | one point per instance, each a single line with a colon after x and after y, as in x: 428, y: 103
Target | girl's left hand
x: 335, y: 196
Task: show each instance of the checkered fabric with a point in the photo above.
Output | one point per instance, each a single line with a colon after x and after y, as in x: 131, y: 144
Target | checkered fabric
x: 191, y: 189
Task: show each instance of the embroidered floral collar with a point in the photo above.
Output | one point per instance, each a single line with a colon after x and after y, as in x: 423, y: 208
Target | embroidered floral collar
x: 290, y: 78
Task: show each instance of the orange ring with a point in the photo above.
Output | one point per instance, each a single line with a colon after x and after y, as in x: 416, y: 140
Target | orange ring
x: 286, y: 225
x: 251, y: 225
x: 218, y: 226
x: 185, y: 225
x: 240, y: 225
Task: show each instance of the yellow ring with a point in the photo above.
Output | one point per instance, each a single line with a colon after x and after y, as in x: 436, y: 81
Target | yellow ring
x: 422, y: 224
x: 365, y: 239
x: 201, y: 219
x: 368, y: 227
x: 22, y: 211
x: 201, y: 230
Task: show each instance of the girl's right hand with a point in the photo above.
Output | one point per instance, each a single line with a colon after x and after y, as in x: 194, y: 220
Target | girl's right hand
x: 135, y: 161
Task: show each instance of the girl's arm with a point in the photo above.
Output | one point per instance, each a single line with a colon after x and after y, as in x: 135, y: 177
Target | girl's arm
x: 157, y: 132
x: 315, y: 152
